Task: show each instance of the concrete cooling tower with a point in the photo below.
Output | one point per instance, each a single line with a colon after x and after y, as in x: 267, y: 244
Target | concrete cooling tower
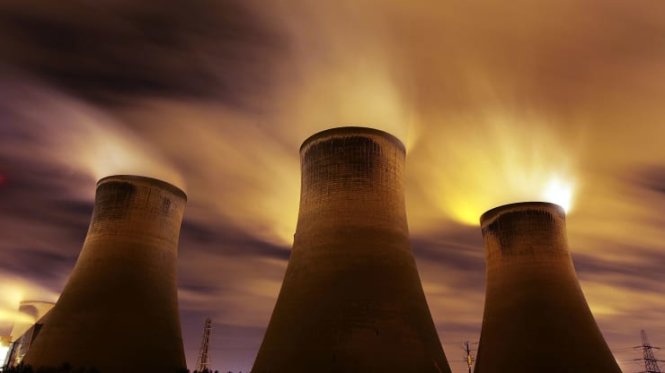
x: 536, y: 318
x: 119, y: 311
x: 351, y: 300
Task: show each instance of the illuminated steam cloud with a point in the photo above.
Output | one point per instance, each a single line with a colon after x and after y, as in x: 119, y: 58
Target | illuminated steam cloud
x: 498, y: 158
x: 74, y: 136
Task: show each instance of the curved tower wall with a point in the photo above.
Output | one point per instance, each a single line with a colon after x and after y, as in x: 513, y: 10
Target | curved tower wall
x: 119, y: 311
x: 351, y: 300
x: 536, y: 318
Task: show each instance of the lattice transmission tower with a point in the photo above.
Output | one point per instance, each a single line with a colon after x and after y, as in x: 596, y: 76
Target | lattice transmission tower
x: 468, y: 357
x: 202, y: 363
x: 650, y: 361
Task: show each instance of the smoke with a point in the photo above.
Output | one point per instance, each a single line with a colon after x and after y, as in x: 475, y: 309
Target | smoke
x: 492, y: 110
x: 493, y: 157
x: 44, y: 124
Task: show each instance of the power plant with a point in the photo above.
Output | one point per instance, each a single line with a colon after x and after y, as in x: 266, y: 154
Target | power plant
x: 119, y: 310
x: 351, y: 299
x: 536, y: 318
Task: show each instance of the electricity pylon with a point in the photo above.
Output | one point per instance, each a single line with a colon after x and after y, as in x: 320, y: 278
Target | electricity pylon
x: 202, y: 363
x: 468, y: 357
x: 650, y: 361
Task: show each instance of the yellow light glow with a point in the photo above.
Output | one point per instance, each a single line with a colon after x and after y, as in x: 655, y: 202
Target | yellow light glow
x: 560, y: 192
x: 14, y: 316
x: 9, y: 305
x: 495, y: 158
x: 13, y: 292
x: 13, y: 296
x: 466, y: 212
x: 4, y: 351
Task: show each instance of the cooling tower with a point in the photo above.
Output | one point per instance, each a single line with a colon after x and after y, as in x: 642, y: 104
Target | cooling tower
x: 536, y: 318
x: 118, y: 311
x: 351, y: 300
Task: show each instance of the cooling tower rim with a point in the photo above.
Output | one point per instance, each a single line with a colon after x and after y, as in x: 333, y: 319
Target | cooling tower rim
x: 353, y: 130
x: 491, y: 214
x: 30, y: 301
x: 149, y: 180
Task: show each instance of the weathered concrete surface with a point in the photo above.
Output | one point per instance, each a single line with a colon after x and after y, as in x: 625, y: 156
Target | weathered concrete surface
x: 351, y: 300
x: 536, y: 318
x: 119, y: 309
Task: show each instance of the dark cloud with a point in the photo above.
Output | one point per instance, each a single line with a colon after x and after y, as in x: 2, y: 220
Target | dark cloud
x: 50, y: 193
x: 35, y: 203
x: 227, y: 240
x: 111, y: 51
x: 461, y: 248
x: 653, y: 178
x: 45, y: 268
x: 644, y: 274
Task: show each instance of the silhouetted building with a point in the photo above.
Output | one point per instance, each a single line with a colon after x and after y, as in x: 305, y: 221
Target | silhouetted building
x: 23, y: 332
x: 5, y: 349
x: 119, y: 309
x: 351, y: 300
x: 536, y: 318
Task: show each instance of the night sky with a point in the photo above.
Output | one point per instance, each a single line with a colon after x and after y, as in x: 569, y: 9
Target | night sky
x: 497, y: 102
